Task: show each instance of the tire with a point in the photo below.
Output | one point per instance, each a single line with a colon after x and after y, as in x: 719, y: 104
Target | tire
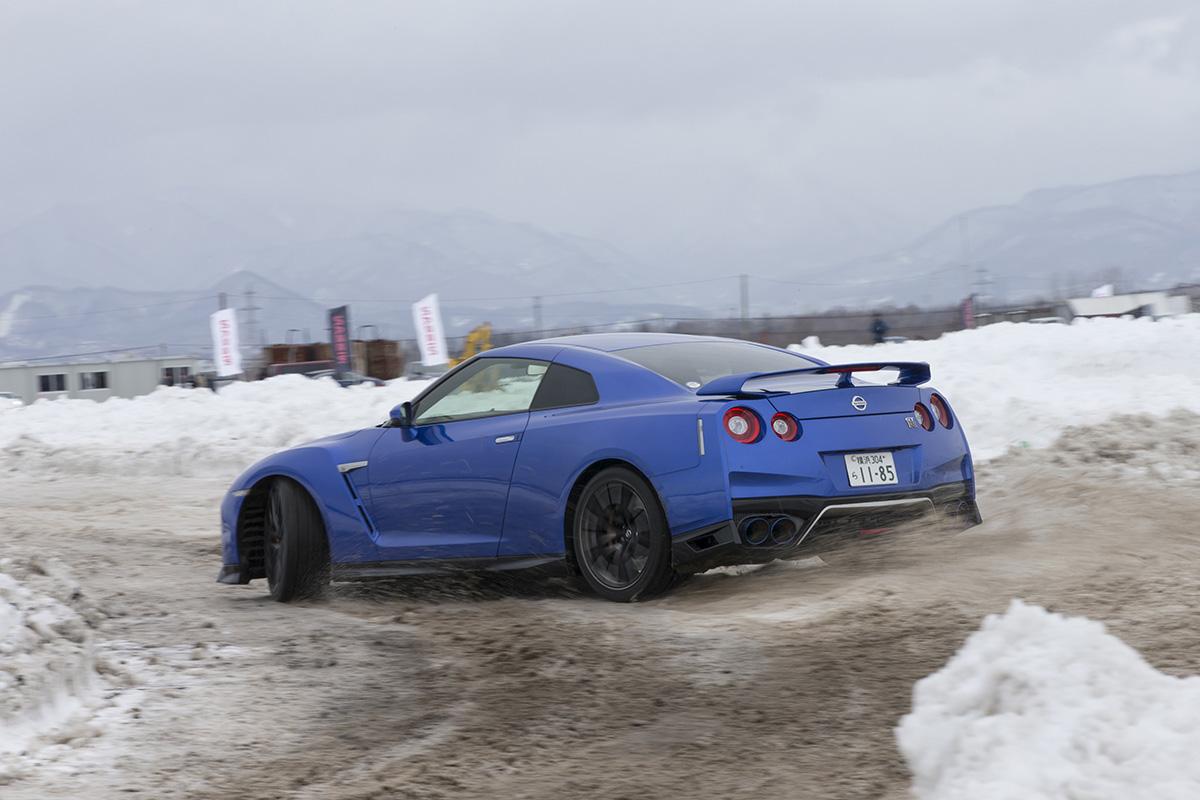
x: 296, y: 548
x: 620, y: 538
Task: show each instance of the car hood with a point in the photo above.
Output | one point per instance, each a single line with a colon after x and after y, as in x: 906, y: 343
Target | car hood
x: 332, y: 450
x: 336, y: 437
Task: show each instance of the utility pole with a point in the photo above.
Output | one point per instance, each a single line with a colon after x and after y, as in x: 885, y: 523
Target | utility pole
x: 983, y: 286
x: 964, y: 244
x: 251, y: 322
x: 537, y: 315
x: 744, y: 286
x: 249, y: 313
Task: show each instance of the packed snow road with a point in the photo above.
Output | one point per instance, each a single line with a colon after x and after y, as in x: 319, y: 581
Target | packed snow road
x: 783, y: 681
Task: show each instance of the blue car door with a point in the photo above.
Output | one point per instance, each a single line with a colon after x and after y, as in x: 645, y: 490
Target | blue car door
x: 439, y: 488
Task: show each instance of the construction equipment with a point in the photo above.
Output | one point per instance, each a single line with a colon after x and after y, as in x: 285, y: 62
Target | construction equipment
x: 478, y: 340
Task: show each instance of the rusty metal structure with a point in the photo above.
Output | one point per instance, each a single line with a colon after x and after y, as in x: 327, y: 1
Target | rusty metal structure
x: 376, y: 358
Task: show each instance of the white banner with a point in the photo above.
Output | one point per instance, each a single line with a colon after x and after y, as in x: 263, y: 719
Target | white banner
x: 430, y: 337
x: 226, y: 354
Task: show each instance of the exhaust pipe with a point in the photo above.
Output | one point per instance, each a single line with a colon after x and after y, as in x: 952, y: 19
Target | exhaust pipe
x: 755, y: 530
x: 783, y: 530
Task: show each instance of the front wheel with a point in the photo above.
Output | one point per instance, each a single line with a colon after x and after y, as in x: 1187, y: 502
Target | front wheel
x: 621, y: 541
x: 297, y: 550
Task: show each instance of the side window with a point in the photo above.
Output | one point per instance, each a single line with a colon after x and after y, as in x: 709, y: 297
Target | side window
x: 486, y: 388
x: 175, y: 376
x: 565, y: 386
x: 93, y: 380
x: 52, y: 383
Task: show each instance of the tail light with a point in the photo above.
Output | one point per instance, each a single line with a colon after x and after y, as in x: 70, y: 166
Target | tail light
x: 924, y: 416
x: 742, y: 424
x: 784, y: 426
x: 941, y: 410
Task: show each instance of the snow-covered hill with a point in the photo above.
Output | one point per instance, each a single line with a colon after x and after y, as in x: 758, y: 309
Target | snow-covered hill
x: 1141, y: 232
x: 40, y: 320
x: 327, y: 252
x: 63, y: 272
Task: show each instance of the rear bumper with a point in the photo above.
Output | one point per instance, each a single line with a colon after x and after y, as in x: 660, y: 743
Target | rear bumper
x: 817, y: 521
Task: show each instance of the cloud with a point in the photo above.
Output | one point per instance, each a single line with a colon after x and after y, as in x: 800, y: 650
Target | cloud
x: 722, y: 129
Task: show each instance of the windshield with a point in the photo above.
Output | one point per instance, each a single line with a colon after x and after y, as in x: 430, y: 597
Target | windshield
x: 693, y: 364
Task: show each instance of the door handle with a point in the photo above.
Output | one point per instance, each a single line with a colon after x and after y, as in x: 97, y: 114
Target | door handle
x: 512, y: 437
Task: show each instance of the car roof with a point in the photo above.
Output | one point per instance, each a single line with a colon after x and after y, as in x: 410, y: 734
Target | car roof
x: 612, y: 342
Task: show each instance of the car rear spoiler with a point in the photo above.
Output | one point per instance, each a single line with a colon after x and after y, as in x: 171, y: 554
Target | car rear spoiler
x: 912, y: 373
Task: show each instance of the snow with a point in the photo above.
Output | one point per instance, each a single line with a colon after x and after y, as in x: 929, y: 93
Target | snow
x: 1009, y: 385
x: 1022, y: 385
x: 9, y: 315
x: 1038, y: 706
x: 1132, y: 446
x: 49, y: 684
x: 190, y: 431
x: 1035, y: 705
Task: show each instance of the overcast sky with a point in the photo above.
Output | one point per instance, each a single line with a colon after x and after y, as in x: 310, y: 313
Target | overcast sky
x: 844, y: 125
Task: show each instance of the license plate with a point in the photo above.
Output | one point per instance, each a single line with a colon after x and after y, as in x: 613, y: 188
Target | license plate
x: 870, y: 469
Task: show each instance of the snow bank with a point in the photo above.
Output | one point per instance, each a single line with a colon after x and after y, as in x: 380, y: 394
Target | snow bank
x: 1019, y: 384
x: 48, y: 678
x: 190, y: 431
x: 1130, y: 446
x: 1009, y: 384
x: 1037, y: 706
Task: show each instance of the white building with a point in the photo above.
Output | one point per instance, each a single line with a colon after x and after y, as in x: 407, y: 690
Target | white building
x: 1139, y: 304
x: 96, y: 380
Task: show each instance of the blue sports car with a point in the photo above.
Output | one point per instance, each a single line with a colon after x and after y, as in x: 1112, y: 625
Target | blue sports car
x: 631, y: 459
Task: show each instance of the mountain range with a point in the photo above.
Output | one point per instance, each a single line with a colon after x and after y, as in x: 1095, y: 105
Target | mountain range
x: 323, y: 251
x: 1139, y: 233
x: 44, y: 321
x: 172, y: 257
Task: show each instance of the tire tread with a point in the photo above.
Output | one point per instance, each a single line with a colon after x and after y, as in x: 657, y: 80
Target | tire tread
x: 303, y: 571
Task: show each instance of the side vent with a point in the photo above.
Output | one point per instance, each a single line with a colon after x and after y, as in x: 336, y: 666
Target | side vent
x: 362, y: 510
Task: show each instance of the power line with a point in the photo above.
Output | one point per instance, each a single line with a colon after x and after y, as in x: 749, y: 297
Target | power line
x: 95, y: 353
x: 250, y: 307
x: 864, y: 282
x: 608, y: 291
x: 525, y: 297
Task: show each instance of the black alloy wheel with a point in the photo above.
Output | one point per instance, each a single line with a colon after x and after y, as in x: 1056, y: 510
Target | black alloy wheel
x: 621, y: 541
x: 296, y: 550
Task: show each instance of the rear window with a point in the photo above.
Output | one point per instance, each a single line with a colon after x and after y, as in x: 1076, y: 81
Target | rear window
x: 693, y: 364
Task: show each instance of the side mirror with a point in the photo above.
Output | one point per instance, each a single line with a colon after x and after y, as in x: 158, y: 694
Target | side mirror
x: 402, y: 415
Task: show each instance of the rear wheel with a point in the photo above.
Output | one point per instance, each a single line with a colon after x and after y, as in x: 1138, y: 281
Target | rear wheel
x: 621, y: 541
x: 297, y: 550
